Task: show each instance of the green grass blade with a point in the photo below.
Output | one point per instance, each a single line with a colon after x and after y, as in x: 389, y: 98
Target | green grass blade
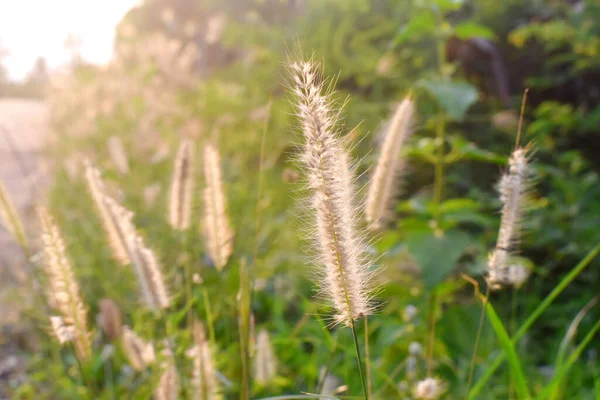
x: 481, y: 384
x: 509, y: 350
x: 554, y: 386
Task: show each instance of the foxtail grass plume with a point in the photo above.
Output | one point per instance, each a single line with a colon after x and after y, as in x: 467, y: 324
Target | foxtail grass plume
x: 117, y: 154
x: 110, y: 222
x: 169, y: 384
x: 384, y: 185
x: 182, y: 187
x: 205, y: 385
x: 217, y: 231
x: 264, y: 361
x: 138, y: 352
x: 62, y: 331
x: 110, y: 318
x: 63, y: 289
x: 345, y: 272
x: 145, y: 263
x: 10, y: 220
x: 513, y: 187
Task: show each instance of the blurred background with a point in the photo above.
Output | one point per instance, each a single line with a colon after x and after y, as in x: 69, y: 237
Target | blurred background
x: 122, y: 82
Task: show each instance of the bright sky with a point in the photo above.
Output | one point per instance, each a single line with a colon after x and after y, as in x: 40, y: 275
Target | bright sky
x: 32, y: 28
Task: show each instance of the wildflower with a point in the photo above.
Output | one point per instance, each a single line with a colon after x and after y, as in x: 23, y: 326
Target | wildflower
x: 513, y: 188
x: 219, y: 236
x: 264, y: 365
x: 182, y: 187
x: 390, y: 167
x: 63, y: 289
x: 410, y: 312
x: 415, y: 349
x: 345, y: 272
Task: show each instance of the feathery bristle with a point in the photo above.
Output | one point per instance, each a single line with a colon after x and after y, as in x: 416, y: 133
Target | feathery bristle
x: 513, y: 188
x: 204, y: 375
x: 383, y: 187
x: 110, y: 219
x: 139, y: 353
x: 182, y: 187
x: 63, y: 290
x: 10, y: 219
x: 264, y: 363
x: 218, y: 233
x: 168, y: 386
x: 330, y: 180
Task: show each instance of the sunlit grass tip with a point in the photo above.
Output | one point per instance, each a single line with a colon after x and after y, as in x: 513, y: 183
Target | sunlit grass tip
x: 345, y: 273
x: 182, y: 186
x: 391, y: 165
x: 63, y: 289
x: 204, y: 382
x: 217, y: 230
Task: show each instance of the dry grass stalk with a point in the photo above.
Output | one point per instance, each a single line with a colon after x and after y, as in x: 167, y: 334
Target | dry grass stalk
x: 264, y: 362
x: 117, y: 154
x: 139, y: 353
x: 218, y: 233
x: 205, y: 384
x: 10, y: 219
x: 63, y: 290
x: 513, y: 187
x: 169, y: 385
x: 384, y: 185
x: 182, y: 187
x: 341, y: 249
x: 116, y: 237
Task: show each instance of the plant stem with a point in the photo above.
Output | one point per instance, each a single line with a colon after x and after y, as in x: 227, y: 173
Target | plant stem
x: 359, y: 360
x: 431, y: 328
x: 479, y: 330
x: 209, y: 317
x: 187, y: 278
x: 367, y: 356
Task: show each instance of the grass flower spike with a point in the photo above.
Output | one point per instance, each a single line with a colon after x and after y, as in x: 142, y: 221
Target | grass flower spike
x: 10, y: 219
x: 139, y: 353
x: 345, y: 271
x: 204, y: 375
x: 63, y: 290
x: 218, y: 233
x: 182, y: 187
x: 116, y: 237
x: 383, y: 187
x: 264, y: 363
x: 169, y: 384
x: 513, y: 188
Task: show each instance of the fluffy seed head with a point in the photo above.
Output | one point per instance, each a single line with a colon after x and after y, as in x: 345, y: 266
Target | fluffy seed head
x: 109, y: 215
x: 63, y: 289
x: 217, y: 231
x: 204, y: 375
x: 139, y: 353
x: 429, y: 389
x: 169, y: 385
x: 182, y: 187
x: 345, y: 272
x: 9, y: 218
x: 513, y: 188
x: 264, y: 363
x: 384, y: 185
x: 63, y: 332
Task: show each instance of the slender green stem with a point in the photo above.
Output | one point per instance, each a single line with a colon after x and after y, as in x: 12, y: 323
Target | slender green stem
x: 479, y: 330
x: 187, y: 278
x: 209, y: 317
x: 367, y: 357
x: 359, y: 360
x: 431, y: 322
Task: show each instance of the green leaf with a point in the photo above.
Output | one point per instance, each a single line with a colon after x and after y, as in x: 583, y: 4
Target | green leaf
x: 437, y: 255
x: 467, y: 30
x: 454, y: 97
x: 509, y: 350
x: 418, y: 26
